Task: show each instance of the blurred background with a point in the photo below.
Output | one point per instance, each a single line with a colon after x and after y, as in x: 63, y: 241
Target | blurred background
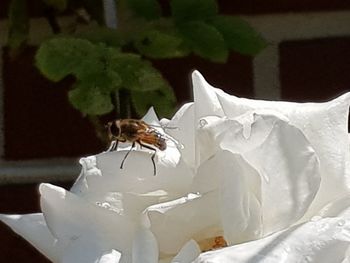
x: 69, y: 66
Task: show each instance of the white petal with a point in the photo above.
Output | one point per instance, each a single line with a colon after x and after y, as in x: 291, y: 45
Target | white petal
x: 151, y: 117
x: 32, y: 227
x: 89, y: 251
x: 322, y: 241
x: 206, y: 101
x: 145, y: 247
x: 73, y: 220
x: 112, y: 256
x: 103, y: 181
x: 241, y: 212
x: 174, y: 223
x: 239, y: 186
x: 347, y: 256
x: 287, y: 171
x: 338, y: 207
x: 182, y: 128
x: 189, y: 252
x: 347, y: 172
x: 324, y: 125
x: 206, y: 145
x: 139, y: 178
x: 292, y: 172
x: 89, y: 169
x: 208, y: 176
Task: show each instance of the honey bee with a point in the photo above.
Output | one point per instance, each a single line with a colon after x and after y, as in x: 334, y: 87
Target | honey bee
x: 135, y: 131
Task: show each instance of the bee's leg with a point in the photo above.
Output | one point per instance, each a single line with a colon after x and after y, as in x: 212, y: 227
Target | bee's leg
x: 126, y: 155
x: 115, y: 146
x: 154, y: 165
x: 152, y: 157
x: 109, y: 149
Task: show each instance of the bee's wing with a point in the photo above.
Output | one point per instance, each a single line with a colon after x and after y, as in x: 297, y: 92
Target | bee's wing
x: 164, y: 127
x: 160, y: 129
x: 148, y: 138
x: 139, y: 125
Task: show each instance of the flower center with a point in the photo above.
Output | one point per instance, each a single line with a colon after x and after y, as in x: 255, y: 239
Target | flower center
x: 212, y: 243
x: 220, y: 242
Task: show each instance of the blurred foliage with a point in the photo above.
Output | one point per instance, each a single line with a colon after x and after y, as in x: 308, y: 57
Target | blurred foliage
x: 107, y: 62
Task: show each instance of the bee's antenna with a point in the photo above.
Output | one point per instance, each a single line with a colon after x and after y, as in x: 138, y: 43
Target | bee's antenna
x: 113, y: 146
x: 165, y: 127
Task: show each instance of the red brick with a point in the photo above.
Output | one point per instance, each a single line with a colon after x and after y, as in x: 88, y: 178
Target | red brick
x: 39, y: 122
x: 286, y: 6
x: 315, y: 70
x: 234, y: 77
x: 230, y: 7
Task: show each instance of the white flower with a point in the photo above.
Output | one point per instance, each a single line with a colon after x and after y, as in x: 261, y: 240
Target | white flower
x: 270, y: 180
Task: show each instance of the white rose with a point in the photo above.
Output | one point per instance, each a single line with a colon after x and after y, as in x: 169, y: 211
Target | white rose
x: 268, y: 179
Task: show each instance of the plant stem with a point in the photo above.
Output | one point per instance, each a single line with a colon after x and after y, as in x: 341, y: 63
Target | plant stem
x: 117, y: 103
x: 18, y: 32
x: 52, y: 20
x: 123, y: 104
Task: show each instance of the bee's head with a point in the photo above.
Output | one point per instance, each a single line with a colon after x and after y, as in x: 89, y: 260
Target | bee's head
x: 113, y: 129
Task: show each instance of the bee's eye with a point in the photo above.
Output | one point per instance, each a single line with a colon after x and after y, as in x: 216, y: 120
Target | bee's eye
x: 114, y: 129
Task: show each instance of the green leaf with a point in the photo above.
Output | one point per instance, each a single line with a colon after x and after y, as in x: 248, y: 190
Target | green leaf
x: 148, y: 9
x: 149, y: 79
x: 205, y: 41
x: 97, y: 68
x: 157, y: 44
x: 107, y: 81
x: 239, y: 35
x: 59, y: 5
x: 127, y: 66
x: 163, y: 100
x: 90, y: 100
x: 192, y: 10
x: 110, y: 37
x: 137, y: 74
x: 59, y: 57
x: 18, y: 23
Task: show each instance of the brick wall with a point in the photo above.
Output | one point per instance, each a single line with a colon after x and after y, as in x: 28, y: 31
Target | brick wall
x: 314, y: 69
x: 307, y: 59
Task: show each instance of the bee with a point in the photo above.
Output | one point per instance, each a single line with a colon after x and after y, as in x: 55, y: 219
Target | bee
x: 135, y: 131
